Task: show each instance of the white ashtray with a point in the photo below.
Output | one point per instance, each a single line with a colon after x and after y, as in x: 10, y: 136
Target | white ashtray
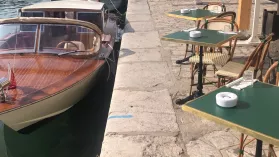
x: 195, y: 34
x: 183, y: 11
x: 226, y: 99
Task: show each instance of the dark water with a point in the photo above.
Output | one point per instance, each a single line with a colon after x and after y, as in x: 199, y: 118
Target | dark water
x: 9, y: 8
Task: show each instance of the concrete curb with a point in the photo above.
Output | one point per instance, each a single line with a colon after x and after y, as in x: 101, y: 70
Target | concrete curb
x: 141, y: 119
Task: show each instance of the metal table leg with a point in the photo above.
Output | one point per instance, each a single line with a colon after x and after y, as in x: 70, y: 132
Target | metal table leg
x: 259, y: 148
x: 199, y: 92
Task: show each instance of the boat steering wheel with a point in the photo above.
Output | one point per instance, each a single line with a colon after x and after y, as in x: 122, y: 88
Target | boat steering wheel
x: 64, y: 42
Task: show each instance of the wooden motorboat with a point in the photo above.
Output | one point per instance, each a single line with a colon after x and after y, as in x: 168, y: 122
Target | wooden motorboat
x: 49, y: 64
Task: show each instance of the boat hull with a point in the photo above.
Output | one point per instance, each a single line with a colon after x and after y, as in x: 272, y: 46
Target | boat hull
x: 50, y: 106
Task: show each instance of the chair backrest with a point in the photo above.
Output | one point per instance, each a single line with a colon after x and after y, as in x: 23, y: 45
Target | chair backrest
x: 215, y: 6
x: 219, y: 24
x: 256, y: 59
x: 267, y: 75
x: 264, y: 52
x: 230, y: 15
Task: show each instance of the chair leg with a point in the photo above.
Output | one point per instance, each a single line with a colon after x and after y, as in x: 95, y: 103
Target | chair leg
x: 219, y: 82
x: 186, y: 51
x: 204, y: 73
x: 223, y: 81
x: 271, y: 152
x: 270, y: 147
x: 243, y: 144
x: 241, y: 151
x: 192, y: 68
x: 214, y: 69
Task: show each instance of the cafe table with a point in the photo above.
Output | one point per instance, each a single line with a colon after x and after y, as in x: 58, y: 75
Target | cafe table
x: 195, y: 15
x: 209, y: 38
x: 255, y: 114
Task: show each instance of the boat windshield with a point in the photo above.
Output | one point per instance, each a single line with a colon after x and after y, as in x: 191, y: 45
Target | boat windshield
x: 13, y: 38
x: 49, y: 38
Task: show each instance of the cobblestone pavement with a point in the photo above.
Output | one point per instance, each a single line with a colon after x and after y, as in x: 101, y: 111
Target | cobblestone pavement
x: 199, y: 137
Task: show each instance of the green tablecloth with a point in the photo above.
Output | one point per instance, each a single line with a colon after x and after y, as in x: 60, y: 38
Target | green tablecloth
x: 209, y: 38
x: 256, y: 113
x: 198, y: 14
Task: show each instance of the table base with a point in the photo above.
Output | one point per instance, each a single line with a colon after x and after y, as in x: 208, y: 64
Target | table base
x: 259, y: 148
x: 199, y: 92
x: 194, y: 95
x: 183, y: 60
x: 186, y: 58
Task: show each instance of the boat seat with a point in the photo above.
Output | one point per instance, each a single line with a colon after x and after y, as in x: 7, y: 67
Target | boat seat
x: 96, y: 44
x: 70, y: 46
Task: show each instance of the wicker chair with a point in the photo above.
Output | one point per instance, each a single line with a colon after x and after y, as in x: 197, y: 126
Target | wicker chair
x: 255, y: 62
x: 214, y: 58
x: 230, y: 15
x: 215, y: 6
x: 266, y: 79
x: 267, y: 75
x: 271, y: 151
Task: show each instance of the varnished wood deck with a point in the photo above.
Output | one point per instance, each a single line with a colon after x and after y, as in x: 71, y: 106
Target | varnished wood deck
x: 41, y: 76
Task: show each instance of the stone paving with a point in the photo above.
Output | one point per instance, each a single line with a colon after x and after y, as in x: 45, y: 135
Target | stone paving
x: 142, y: 121
x: 147, y: 82
x: 201, y: 137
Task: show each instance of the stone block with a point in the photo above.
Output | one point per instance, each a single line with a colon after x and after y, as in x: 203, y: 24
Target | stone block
x: 141, y: 101
x: 234, y: 151
x: 200, y: 148
x: 139, y: 27
x: 221, y: 139
x: 138, y: 7
x: 142, y: 123
x: 140, y: 146
x: 143, y: 76
x: 138, y: 2
x: 138, y: 17
x: 140, y: 40
x: 139, y: 55
x: 193, y: 127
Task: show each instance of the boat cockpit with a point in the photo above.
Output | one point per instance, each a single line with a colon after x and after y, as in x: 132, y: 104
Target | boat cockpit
x: 49, y: 37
